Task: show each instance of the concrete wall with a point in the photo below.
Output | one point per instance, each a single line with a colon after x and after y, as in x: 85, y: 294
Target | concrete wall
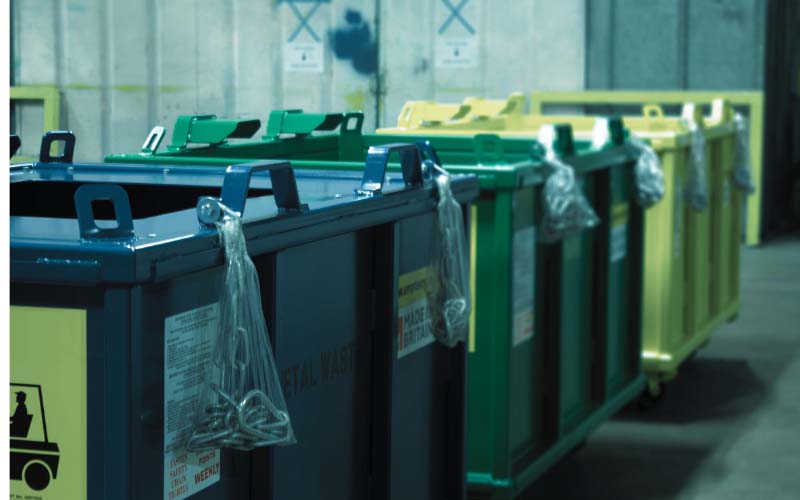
x: 123, y: 66
x: 521, y: 44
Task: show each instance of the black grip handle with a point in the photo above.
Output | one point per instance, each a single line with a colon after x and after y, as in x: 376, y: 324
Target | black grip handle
x: 352, y: 123
x: 377, y: 161
x: 284, y: 185
x: 15, y: 144
x: 616, y: 130
x: 55, y: 136
x: 564, y: 144
x: 89, y: 193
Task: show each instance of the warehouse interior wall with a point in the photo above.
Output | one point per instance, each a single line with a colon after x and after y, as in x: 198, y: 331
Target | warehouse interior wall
x: 526, y: 44
x: 711, y: 45
x: 243, y: 58
x: 174, y: 58
x: 675, y: 44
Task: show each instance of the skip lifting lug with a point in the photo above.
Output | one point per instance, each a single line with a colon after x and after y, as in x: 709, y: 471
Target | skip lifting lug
x: 236, y: 185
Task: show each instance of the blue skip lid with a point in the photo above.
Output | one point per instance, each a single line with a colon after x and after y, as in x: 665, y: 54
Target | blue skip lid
x: 107, y: 223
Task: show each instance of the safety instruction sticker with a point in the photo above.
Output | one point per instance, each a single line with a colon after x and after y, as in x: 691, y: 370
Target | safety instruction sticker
x: 457, y: 28
x: 457, y: 53
x: 188, y: 344
x: 677, y: 219
x: 619, y: 242
x: 47, y: 401
x: 523, y: 283
x: 619, y: 233
x: 303, y: 57
x: 414, y: 321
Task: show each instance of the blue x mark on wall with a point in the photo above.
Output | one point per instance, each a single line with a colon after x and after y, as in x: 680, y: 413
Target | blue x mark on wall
x: 455, y: 15
x: 304, y: 19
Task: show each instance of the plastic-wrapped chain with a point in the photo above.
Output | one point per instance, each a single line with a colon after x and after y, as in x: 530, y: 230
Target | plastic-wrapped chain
x: 742, y: 177
x: 566, y: 210
x: 649, y: 174
x: 696, y: 190
x: 241, y: 405
x: 451, y: 307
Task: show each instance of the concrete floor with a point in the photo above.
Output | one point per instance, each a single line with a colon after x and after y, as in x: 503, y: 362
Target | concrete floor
x: 729, y: 424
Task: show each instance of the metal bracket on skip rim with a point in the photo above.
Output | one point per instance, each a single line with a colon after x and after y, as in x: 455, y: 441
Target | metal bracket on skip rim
x: 233, y: 196
x: 208, y: 129
x: 416, y: 170
x: 236, y: 185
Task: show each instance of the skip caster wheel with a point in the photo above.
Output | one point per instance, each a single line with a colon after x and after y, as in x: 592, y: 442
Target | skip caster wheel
x: 652, y: 395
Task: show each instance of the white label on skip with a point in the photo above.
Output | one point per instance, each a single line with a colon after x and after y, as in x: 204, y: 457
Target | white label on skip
x: 619, y: 242
x: 523, y: 283
x: 188, y: 343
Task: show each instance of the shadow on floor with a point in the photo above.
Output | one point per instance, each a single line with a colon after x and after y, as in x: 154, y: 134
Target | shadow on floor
x: 706, y: 389
x: 605, y: 470
x: 701, y: 438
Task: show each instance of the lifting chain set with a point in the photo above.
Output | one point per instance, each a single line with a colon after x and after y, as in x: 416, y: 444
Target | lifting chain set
x: 241, y: 405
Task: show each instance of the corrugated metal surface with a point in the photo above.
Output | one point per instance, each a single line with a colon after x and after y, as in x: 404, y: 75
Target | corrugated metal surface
x: 124, y: 66
x: 657, y: 44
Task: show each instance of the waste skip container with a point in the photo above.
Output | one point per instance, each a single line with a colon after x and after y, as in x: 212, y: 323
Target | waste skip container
x: 749, y: 102
x: 555, y: 336
x: 692, y: 289
x: 111, y: 271
x: 725, y: 199
x: 478, y: 113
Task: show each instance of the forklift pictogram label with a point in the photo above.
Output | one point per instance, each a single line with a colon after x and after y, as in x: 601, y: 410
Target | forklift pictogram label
x: 48, y: 403
x: 33, y: 459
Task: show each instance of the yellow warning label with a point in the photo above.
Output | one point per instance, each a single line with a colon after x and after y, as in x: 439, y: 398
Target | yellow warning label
x: 414, y: 322
x: 619, y: 214
x: 473, y: 255
x: 413, y: 286
x: 619, y: 232
x: 48, y: 403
